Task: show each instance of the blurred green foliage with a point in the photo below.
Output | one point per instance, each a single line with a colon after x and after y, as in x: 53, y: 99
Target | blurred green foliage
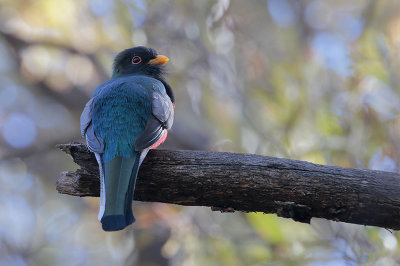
x: 310, y: 80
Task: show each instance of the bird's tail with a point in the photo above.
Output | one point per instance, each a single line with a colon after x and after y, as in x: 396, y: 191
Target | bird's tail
x: 119, y: 183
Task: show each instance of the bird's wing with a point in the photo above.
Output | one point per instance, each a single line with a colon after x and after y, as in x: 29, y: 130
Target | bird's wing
x: 86, y: 117
x: 161, y: 120
x: 162, y: 109
x: 94, y: 143
x: 102, y: 186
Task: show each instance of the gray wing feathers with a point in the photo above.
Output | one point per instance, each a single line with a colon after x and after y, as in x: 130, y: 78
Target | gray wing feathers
x: 162, y: 118
x: 162, y: 109
x: 151, y: 134
x: 143, y: 155
x: 102, y: 187
x: 94, y: 143
x: 86, y: 117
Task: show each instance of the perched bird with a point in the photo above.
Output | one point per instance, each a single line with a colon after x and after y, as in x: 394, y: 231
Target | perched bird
x: 126, y: 116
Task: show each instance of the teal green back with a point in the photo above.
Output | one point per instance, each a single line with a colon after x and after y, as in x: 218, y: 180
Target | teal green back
x: 121, y: 109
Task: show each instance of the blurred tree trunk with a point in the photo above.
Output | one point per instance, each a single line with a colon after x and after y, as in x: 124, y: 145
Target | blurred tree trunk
x: 252, y: 183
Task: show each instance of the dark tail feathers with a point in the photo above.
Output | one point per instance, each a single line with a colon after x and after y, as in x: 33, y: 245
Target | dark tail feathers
x: 119, y: 178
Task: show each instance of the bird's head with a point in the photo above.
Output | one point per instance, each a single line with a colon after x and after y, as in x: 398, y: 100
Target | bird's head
x: 142, y: 60
x: 139, y: 60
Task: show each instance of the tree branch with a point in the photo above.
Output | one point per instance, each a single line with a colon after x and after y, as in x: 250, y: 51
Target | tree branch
x: 250, y: 183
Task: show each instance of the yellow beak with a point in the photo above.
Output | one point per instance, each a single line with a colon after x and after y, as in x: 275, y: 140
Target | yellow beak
x: 159, y: 60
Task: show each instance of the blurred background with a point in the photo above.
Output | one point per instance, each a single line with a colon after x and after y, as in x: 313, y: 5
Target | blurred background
x: 308, y: 80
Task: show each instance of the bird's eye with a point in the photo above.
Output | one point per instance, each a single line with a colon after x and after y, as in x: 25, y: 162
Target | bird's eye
x: 136, y: 60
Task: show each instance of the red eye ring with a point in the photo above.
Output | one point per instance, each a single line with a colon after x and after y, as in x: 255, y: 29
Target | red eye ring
x: 136, y: 60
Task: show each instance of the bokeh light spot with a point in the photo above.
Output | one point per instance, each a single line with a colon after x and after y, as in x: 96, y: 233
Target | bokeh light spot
x: 19, y: 130
x: 17, y: 222
x: 333, y: 52
x: 281, y: 12
x: 101, y: 7
x: 36, y: 59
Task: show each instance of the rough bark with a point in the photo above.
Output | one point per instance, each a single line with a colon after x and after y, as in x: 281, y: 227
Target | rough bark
x: 243, y: 182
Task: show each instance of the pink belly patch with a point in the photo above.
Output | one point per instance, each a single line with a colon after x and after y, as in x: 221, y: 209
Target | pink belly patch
x: 160, y: 141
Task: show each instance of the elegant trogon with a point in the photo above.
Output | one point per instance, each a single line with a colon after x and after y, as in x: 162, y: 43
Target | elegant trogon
x: 126, y: 116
